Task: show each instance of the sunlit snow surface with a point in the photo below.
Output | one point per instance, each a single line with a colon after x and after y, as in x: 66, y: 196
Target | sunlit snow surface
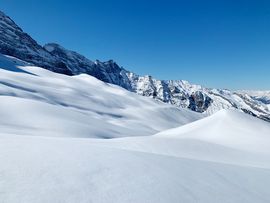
x: 52, y: 146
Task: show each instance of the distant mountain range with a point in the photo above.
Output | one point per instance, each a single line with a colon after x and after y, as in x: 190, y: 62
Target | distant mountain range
x: 15, y: 42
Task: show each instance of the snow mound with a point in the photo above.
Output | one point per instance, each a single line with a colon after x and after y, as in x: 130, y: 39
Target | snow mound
x: 228, y: 128
x: 228, y: 136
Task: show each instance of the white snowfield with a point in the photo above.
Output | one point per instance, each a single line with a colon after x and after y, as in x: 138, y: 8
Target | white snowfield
x: 52, y: 146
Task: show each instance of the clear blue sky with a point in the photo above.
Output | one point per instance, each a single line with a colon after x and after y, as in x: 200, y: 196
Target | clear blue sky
x: 219, y: 43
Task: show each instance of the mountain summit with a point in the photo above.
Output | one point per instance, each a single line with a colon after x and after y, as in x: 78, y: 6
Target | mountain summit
x: 15, y: 42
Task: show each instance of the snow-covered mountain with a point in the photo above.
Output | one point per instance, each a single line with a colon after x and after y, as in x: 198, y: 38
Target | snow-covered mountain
x: 15, y: 42
x: 197, y: 98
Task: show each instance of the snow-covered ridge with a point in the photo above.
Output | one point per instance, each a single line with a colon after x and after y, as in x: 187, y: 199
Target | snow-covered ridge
x: 15, y: 42
x: 263, y: 96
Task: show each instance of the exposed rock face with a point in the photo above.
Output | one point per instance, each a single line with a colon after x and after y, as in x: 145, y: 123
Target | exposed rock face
x: 15, y: 42
x: 179, y: 93
x: 199, y: 102
x: 107, y: 71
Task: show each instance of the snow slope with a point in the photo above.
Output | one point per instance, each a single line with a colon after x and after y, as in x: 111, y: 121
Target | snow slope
x: 38, y: 169
x: 53, y: 147
x: 36, y: 100
x: 178, y: 165
x: 228, y: 136
x: 229, y: 128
